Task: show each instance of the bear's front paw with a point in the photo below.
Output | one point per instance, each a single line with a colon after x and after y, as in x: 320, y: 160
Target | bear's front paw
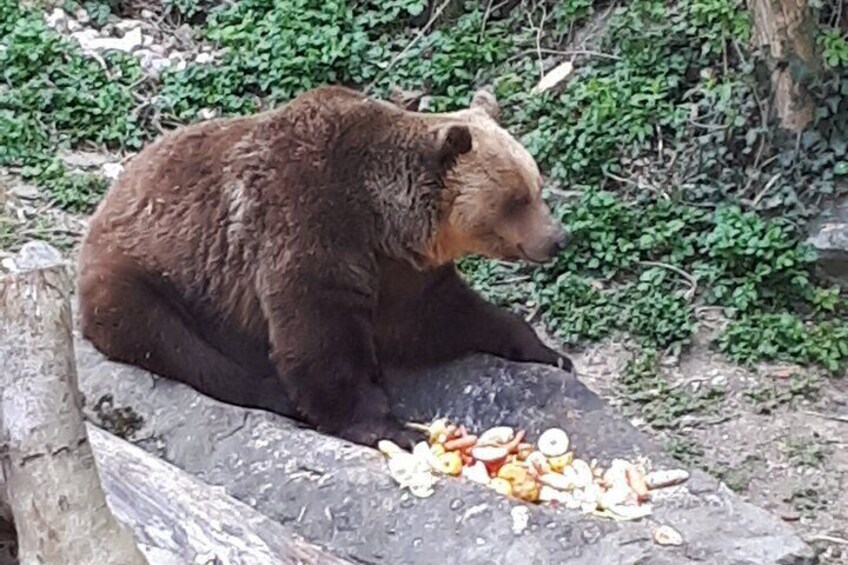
x: 372, y: 431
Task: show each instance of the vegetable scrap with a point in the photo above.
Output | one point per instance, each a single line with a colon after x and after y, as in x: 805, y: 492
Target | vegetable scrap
x: 547, y: 472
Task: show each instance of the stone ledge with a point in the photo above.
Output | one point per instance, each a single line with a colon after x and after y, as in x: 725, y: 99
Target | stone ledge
x: 338, y: 495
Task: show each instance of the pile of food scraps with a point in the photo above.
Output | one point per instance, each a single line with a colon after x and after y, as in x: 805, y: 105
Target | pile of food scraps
x: 546, y: 472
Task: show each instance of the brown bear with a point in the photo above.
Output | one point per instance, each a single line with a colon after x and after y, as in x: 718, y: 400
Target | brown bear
x: 313, y: 245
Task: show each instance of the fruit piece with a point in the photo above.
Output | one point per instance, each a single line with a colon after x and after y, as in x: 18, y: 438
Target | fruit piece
x: 437, y: 429
x: 512, y: 445
x: 460, y: 443
x: 560, y: 462
x: 583, y: 473
x: 538, y: 462
x: 557, y: 481
x: 527, y: 489
x: 553, y: 442
x: 493, y: 457
x: 550, y: 494
x: 513, y: 472
x: 450, y: 463
x: 501, y: 486
x: 666, y: 535
x: 476, y: 472
x: 662, y: 479
x: 615, y: 496
x: 488, y: 453
x: 388, y: 448
x: 523, y: 450
x: 636, y: 480
x: 496, y: 436
x: 437, y: 449
x: 422, y: 452
x: 616, y: 475
x: 524, y: 486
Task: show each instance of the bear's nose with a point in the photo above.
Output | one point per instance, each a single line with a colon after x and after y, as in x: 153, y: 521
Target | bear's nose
x: 561, y: 239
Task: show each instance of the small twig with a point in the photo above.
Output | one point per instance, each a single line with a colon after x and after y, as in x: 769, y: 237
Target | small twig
x: 765, y: 190
x: 831, y: 539
x: 569, y: 53
x: 564, y: 193
x: 834, y: 417
x: 693, y: 282
x: 486, y: 17
x: 412, y: 43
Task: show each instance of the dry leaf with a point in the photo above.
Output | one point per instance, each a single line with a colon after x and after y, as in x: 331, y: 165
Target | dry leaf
x: 554, y: 77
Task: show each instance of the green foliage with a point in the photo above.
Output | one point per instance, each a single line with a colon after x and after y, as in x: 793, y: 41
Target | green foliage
x: 768, y: 398
x: 834, y: 46
x: 784, y: 336
x: 688, y: 196
x: 658, y: 402
x: 53, y: 97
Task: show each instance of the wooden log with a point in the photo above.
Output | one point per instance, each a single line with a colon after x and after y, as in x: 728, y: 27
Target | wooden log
x: 185, y: 518
x: 51, y: 480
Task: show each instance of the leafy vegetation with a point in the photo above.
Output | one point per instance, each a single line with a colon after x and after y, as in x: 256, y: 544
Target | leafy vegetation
x: 686, y: 195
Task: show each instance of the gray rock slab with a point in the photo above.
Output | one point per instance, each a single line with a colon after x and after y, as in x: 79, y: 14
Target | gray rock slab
x: 829, y: 237
x: 339, y: 496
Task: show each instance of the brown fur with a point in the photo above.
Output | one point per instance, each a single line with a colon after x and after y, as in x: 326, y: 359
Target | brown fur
x: 313, y: 245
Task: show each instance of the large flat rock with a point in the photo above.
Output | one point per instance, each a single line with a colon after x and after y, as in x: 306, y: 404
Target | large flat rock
x: 339, y: 496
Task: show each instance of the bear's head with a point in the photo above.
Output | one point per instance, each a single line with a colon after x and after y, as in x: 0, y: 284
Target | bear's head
x: 493, y: 202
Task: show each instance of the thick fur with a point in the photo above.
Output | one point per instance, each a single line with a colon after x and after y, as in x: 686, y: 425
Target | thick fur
x: 310, y: 245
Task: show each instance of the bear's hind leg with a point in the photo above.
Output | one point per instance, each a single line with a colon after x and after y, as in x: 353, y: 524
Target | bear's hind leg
x: 130, y: 322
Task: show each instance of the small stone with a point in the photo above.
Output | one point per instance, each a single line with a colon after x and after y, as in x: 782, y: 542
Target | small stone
x: 178, y: 60
x: 82, y: 16
x: 74, y: 25
x: 58, y: 20
x: 152, y: 63
x: 203, y: 58
x: 520, y: 519
x: 25, y: 191
x: 127, y: 25
x: 206, y: 113
x: 666, y: 535
x: 456, y: 504
x: 112, y: 170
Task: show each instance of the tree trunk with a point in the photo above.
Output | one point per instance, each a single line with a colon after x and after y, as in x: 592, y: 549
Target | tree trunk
x: 784, y: 30
x: 52, y: 484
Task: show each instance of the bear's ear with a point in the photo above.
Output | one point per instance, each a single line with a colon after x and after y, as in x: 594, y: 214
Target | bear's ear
x: 453, y: 140
x: 486, y: 101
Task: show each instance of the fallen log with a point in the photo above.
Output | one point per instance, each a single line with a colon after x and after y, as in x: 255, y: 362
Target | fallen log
x: 185, y: 518
x: 52, y: 486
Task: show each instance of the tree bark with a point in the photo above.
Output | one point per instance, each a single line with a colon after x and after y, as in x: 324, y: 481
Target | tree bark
x: 157, y: 499
x: 784, y: 30
x: 52, y: 484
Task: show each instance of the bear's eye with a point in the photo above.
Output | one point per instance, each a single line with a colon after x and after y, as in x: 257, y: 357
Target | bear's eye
x: 516, y: 203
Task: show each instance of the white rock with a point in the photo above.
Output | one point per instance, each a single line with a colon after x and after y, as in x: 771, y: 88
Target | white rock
x: 206, y: 113
x: 74, y: 25
x: 178, y: 60
x: 112, y: 170
x: 82, y: 16
x: 58, y: 20
x: 152, y: 63
x: 666, y: 535
x: 86, y: 38
x: 127, y: 25
x: 203, y: 58
x: 89, y: 40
